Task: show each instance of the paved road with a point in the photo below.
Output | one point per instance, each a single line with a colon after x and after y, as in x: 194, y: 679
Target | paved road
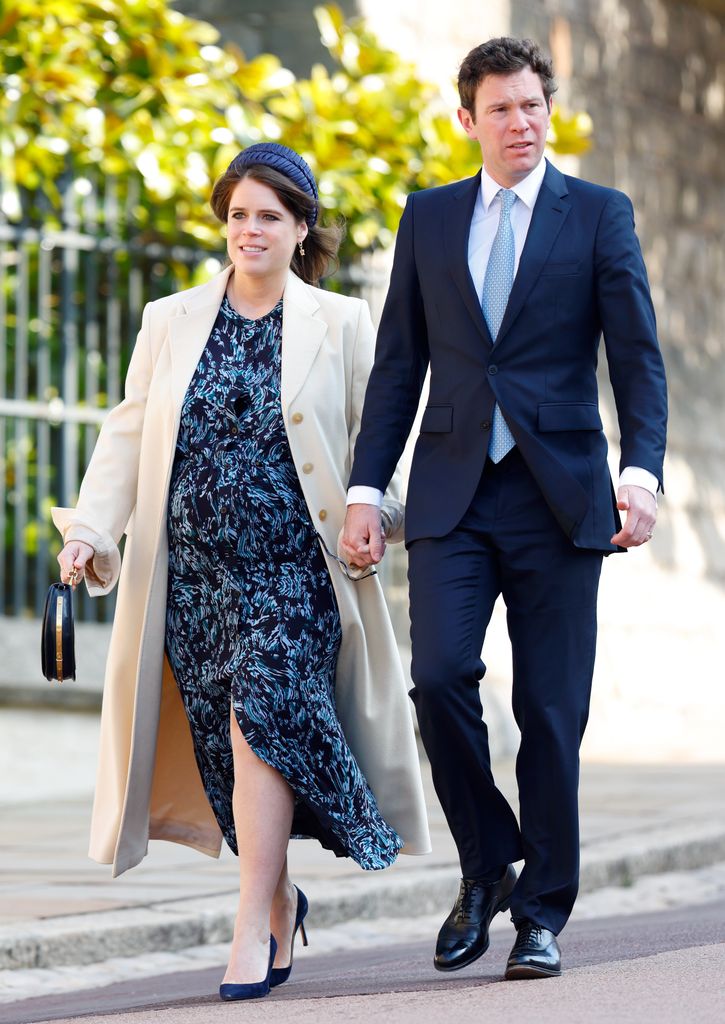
x: 666, y: 967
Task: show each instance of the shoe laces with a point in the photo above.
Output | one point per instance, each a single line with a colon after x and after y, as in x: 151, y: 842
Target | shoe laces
x: 466, y: 900
x: 529, y: 933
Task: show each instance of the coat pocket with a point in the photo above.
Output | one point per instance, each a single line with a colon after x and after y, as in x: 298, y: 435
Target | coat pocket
x: 437, y: 419
x: 569, y: 416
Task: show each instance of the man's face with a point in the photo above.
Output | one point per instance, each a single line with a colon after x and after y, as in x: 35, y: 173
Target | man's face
x: 510, y: 124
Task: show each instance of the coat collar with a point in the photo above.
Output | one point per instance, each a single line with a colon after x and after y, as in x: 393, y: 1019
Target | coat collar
x: 302, y: 333
x: 189, y: 331
x: 548, y: 217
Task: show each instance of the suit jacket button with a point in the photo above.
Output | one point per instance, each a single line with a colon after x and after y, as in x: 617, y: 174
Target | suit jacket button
x: 486, y: 425
x: 308, y: 467
x: 493, y: 369
x: 323, y: 514
x: 297, y: 418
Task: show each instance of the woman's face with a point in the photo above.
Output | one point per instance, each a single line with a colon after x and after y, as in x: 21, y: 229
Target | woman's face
x: 261, y: 232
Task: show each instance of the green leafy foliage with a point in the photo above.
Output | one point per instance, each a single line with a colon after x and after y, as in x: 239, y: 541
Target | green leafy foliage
x: 133, y: 90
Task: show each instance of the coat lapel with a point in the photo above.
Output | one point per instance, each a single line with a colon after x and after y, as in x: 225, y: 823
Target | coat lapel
x: 550, y: 212
x: 303, y: 331
x: 458, y: 217
x: 189, y: 332
x: 302, y: 334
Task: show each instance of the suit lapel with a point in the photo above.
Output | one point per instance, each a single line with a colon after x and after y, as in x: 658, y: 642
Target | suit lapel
x: 302, y: 334
x: 457, y: 226
x: 189, y: 332
x: 550, y: 212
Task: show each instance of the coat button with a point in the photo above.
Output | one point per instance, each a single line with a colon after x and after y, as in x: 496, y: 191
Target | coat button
x: 297, y: 418
x: 323, y: 514
x: 308, y: 467
x: 486, y: 425
x: 493, y: 370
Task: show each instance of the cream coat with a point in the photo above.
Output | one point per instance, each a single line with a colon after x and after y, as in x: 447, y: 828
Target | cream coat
x: 148, y: 785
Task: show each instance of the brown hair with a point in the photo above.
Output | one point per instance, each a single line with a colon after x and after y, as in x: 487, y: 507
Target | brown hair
x: 503, y: 56
x: 321, y: 243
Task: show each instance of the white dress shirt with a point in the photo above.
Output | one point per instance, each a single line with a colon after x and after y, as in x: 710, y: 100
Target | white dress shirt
x: 484, y: 225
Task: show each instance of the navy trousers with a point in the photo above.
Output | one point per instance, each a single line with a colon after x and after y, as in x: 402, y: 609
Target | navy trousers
x: 507, y: 543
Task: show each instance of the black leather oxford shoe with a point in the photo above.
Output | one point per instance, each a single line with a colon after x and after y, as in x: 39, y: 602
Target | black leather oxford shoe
x: 464, y: 935
x: 535, y: 954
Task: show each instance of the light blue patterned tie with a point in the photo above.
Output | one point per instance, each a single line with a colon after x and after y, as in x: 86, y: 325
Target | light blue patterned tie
x: 496, y: 289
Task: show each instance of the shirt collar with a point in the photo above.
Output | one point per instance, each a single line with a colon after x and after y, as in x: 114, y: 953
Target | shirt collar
x: 527, y: 190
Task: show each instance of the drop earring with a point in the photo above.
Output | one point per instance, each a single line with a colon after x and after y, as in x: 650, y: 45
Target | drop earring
x: 302, y: 248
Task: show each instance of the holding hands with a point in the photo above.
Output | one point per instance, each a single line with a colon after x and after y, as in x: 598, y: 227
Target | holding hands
x: 363, y: 540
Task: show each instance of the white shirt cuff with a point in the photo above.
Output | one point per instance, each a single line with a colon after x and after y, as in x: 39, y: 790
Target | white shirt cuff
x: 364, y: 496
x: 639, y: 478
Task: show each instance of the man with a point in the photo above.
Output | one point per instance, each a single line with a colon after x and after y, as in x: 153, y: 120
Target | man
x: 503, y: 284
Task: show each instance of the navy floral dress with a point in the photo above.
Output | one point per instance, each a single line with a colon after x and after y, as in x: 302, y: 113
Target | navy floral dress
x: 251, y: 614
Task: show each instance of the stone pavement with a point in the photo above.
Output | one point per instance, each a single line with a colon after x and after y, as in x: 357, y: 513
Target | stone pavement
x: 58, y: 908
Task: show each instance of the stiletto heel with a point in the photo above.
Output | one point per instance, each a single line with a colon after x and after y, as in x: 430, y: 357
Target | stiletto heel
x: 280, y: 974
x: 256, y: 989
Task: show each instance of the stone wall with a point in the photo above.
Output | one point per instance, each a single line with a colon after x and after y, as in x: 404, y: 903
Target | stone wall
x: 284, y: 27
x: 652, y: 75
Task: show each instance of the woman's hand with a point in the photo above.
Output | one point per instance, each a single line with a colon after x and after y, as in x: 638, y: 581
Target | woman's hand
x: 74, y: 555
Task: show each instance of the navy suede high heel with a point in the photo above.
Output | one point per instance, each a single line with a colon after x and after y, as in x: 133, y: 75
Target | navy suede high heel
x: 255, y: 989
x: 280, y: 974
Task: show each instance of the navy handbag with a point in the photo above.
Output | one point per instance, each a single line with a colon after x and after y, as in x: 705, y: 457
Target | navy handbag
x: 57, y: 650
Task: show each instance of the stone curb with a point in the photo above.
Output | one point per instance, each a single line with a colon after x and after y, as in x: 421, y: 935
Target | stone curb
x: 172, y: 926
x: 68, y: 697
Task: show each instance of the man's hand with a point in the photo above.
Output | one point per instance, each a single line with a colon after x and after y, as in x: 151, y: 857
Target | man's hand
x: 363, y: 543
x: 641, y: 509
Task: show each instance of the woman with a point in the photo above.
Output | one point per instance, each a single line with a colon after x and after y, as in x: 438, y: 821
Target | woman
x: 253, y: 688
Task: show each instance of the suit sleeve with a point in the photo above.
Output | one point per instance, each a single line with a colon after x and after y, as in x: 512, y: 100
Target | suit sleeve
x: 108, y: 492
x: 362, y: 361
x: 636, y: 369
x: 401, y: 361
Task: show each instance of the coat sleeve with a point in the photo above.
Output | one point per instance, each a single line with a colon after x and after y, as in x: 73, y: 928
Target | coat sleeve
x: 636, y: 369
x: 107, y: 494
x: 393, y: 511
x: 401, y: 361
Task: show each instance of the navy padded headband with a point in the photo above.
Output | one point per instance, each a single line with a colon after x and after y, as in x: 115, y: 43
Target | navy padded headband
x: 287, y: 162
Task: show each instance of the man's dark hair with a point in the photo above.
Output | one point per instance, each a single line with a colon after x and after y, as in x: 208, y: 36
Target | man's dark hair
x: 503, y: 56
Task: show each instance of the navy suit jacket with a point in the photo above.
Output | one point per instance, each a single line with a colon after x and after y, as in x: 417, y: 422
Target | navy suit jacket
x: 581, y: 275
